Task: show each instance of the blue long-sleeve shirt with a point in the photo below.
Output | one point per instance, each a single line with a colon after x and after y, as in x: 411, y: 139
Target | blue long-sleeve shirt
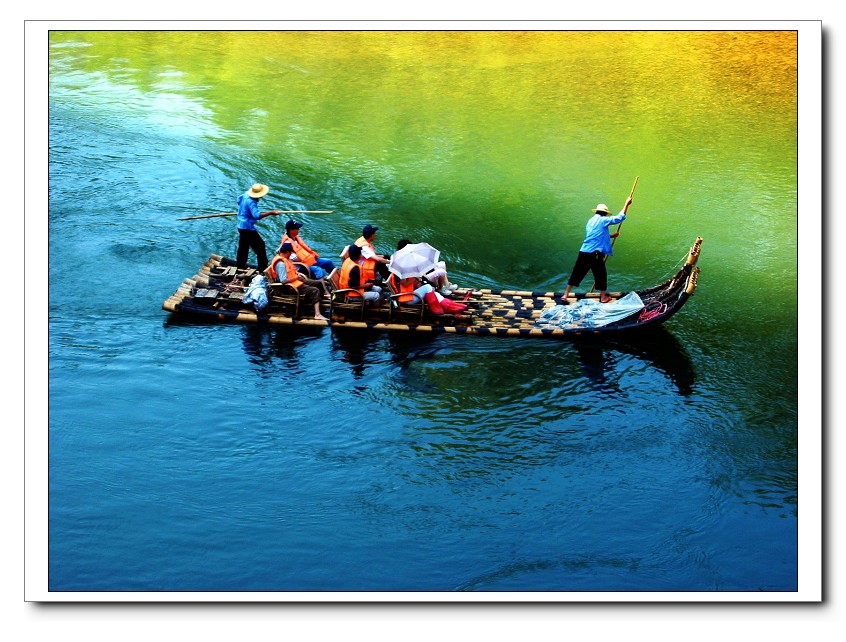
x: 597, y: 236
x: 248, y: 212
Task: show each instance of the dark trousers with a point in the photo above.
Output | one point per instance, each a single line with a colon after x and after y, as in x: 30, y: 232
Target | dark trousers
x: 310, y: 293
x: 247, y: 240
x: 595, y: 262
x: 312, y: 290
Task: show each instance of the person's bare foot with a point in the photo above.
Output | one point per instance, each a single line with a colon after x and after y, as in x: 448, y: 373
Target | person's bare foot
x: 605, y: 299
x: 320, y: 317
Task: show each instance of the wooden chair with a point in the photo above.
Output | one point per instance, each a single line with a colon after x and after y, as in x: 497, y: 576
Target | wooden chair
x: 284, y: 295
x: 339, y: 304
x: 405, y: 310
x: 420, y: 312
x: 303, y: 269
x: 333, y: 281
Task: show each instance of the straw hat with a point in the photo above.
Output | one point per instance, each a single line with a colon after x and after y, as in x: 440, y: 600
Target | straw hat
x: 602, y: 208
x: 258, y: 190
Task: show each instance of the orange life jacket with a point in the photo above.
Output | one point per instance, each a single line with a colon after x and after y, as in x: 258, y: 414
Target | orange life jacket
x: 368, y: 266
x: 304, y: 253
x: 290, y: 270
x: 344, y: 279
x: 405, y: 290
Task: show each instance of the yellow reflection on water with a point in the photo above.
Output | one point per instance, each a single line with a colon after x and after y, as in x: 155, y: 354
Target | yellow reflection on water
x: 524, y: 126
x: 470, y: 78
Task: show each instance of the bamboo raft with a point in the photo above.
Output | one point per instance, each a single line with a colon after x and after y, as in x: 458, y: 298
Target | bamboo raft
x: 215, y: 293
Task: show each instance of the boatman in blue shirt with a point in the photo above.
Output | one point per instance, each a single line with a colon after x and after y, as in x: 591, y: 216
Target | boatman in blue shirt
x: 596, y: 249
x: 248, y: 236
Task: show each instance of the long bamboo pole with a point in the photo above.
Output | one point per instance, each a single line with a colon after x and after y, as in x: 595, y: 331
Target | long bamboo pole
x: 270, y: 213
x: 621, y: 222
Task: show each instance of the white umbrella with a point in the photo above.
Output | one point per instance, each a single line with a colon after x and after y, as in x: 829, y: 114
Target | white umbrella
x: 415, y: 259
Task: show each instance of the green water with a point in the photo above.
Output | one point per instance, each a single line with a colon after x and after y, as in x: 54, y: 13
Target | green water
x: 496, y: 142
x: 515, y: 465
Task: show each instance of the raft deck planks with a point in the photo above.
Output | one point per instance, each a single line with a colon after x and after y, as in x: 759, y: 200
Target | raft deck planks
x: 217, y: 289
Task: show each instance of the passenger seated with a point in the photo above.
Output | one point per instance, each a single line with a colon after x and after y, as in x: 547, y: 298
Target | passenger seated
x: 283, y: 270
x: 437, y: 276
x: 415, y: 290
x: 411, y: 289
x: 353, y: 277
x: 372, y: 264
x: 319, y: 267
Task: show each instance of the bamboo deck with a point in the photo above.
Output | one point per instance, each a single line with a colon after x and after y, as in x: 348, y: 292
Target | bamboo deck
x: 216, y: 290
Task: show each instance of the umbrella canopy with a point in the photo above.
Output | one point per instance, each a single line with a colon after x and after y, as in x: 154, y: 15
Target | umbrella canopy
x: 415, y: 259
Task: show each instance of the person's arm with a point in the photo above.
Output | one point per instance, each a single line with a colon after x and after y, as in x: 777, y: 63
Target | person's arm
x: 296, y: 276
x: 608, y: 221
x: 355, y: 278
x: 382, y: 259
x: 367, y: 253
x: 252, y: 209
x: 613, y: 220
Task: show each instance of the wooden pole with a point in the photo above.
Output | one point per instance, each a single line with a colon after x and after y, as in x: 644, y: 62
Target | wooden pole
x: 621, y: 222
x: 270, y: 213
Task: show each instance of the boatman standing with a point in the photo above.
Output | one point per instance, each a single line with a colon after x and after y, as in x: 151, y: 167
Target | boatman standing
x: 595, y: 250
x: 248, y: 236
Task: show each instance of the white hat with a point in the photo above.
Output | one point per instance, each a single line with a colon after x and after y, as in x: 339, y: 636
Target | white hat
x: 258, y: 190
x: 602, y: 208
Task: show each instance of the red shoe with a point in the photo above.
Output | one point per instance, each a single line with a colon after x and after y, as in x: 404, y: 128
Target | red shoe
x: 433, y: 303
x: 452, y: 306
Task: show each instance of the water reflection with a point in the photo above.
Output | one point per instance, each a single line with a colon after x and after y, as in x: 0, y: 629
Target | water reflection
x: 493, y: 408
x: 459, y: 363
x: 506, y: 370
x: 659, y: 348
x: 362, y: 348
x: 273, y: 349
x: 354, y: 347
x: 594, y: 364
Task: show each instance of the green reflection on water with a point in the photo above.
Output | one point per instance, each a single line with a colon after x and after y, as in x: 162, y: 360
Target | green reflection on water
x: 493, y: 145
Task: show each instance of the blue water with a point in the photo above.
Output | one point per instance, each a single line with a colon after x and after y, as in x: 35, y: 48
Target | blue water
x: 190, y: 457
x: 187, y: 456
